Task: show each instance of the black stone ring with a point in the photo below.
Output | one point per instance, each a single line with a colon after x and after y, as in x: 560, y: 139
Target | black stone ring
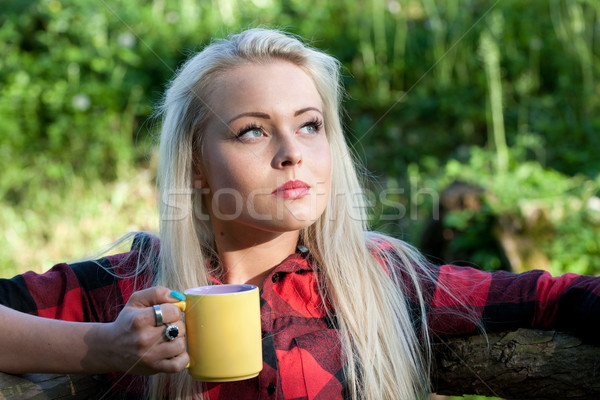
x: 158, y: 314
x: 171, y: 332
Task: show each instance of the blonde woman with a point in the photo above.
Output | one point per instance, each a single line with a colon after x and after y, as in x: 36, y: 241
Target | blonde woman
x: 257, y: 186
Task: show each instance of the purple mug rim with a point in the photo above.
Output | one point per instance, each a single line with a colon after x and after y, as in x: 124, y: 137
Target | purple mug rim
x: 220, y: 290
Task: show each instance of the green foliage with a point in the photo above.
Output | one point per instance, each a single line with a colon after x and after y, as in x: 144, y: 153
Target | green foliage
x: 77, y: 225
x: 438, y: 92
x: 79, y: 79
x: 564, y: 210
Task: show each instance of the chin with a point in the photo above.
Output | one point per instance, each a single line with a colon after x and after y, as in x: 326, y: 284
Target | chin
x: 301, y: 218
x: 291, y: 218
x: 290, y: 222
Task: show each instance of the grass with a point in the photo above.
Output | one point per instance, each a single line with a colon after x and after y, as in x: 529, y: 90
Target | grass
x: 77, y: 223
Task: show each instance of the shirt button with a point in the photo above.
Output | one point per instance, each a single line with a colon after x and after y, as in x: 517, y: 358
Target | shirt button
x: 271, y: 388
x: 275, y: 277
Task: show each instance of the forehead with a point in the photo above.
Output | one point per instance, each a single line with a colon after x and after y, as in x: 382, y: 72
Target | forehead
x: 277, y: 86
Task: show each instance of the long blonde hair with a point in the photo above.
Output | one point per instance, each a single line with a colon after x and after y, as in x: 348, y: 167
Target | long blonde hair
x: 385, y: 356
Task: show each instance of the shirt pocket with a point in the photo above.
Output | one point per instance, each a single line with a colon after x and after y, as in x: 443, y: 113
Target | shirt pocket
x: 321, y: 366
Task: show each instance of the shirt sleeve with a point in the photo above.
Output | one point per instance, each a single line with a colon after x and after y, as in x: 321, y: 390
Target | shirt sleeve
x: 88, y: 291
x: 53, y: 294
x: 465, y: 299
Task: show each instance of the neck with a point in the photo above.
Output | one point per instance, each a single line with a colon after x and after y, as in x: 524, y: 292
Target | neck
x: 251, y: 260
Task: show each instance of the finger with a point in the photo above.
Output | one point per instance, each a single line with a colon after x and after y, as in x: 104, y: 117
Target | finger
x: 149, y: 297
x: 161, y: 314
x: 170, y: 313
x: 180, y: 326
x: 166, y: 348
x: 163, y: 348
x: 174, y: 364
x: 157, y: 346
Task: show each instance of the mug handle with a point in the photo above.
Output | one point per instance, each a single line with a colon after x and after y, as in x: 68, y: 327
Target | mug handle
x: 181, y: 305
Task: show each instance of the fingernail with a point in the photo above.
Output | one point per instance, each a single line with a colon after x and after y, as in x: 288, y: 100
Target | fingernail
x: 178, y: 295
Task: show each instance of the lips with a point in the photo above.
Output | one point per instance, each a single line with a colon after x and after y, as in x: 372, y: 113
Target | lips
x: 292, y: 190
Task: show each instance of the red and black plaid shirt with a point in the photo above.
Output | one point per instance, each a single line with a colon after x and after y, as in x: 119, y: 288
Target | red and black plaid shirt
x: 301, y: 350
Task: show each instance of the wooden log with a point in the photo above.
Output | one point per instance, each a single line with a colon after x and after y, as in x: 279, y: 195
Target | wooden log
x: 525, y: 364
x: 51, y: 386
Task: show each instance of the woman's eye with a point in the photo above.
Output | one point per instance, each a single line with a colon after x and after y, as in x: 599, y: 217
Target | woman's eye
x: 311, y: 128
x: 308, y: 129
x: 250, y: 133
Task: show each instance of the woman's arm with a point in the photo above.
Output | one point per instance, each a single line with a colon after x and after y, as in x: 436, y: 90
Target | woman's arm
x: 132, y: 343
x: 465, y: 299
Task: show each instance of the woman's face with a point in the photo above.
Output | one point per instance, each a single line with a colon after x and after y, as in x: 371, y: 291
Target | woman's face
x: 265, y: 156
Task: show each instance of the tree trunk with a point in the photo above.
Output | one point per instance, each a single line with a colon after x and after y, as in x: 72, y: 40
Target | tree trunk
x: 51, y: 387
x: 523, y: 364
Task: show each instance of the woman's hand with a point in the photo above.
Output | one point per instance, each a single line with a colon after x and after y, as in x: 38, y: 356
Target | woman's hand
x: 136, y: 345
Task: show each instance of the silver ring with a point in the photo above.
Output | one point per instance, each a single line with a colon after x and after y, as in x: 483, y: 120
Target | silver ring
x: 171, y: 332
x: 158, y: 314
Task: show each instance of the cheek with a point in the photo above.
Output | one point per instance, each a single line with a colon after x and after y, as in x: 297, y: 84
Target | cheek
x: 229, y: 187
x: 221, y: 169
x: 322, y: 163
x: 322, y: 171
x: 242, y: 176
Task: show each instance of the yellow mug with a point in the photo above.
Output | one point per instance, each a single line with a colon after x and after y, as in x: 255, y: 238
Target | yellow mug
x: 223, y: 332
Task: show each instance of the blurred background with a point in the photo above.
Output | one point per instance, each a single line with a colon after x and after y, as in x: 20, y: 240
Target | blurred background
x: 478, y: 120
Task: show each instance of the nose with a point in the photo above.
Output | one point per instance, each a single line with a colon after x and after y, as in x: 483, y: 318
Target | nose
x: 288, y: 153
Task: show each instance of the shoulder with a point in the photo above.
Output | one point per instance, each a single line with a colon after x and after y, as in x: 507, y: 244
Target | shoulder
x: 139, y: 264
x: 404, y: 264
x: 143, y: 254
x: 383, y: 248
x: 396, y: 255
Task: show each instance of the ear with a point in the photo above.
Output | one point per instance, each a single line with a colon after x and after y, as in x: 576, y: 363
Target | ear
x: 198, y: 182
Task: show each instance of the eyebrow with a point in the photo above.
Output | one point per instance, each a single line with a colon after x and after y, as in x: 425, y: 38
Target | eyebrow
x: 303, y: 110
x: 250, y: 114
x: 267, y: 116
